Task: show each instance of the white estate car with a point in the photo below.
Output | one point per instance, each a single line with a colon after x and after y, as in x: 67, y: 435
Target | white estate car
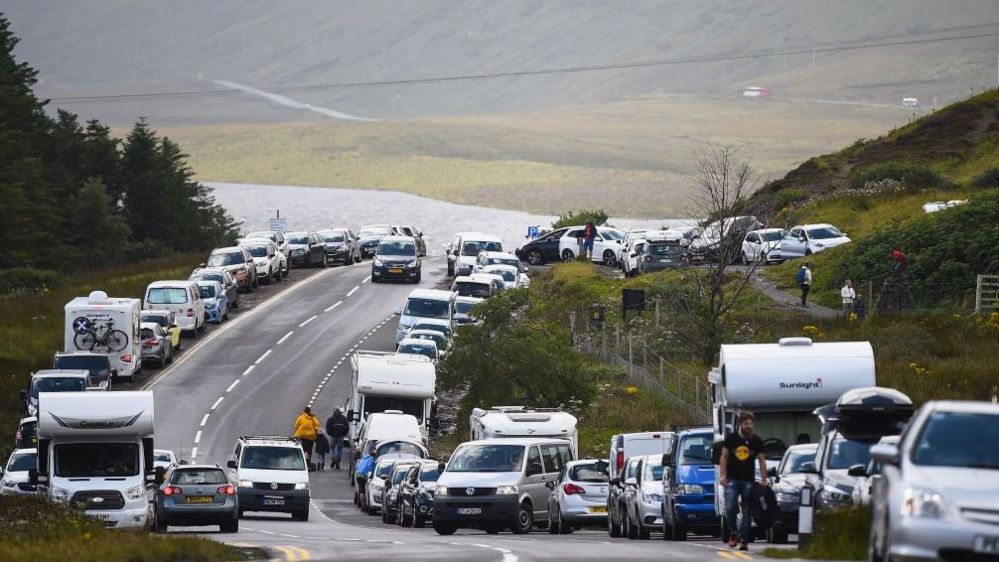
x: 808, y: 239
x: 14, y: 479
x: 605, y: 244
x: 266, y: 258
x: 763, y: 245
x: 632, y: 253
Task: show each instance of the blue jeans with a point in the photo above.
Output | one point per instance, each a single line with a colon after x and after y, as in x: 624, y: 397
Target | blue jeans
x: 738, y: 489
x: 336, y: 450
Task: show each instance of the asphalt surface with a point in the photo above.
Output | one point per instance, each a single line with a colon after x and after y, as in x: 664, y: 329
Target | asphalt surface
x: 254, y: 374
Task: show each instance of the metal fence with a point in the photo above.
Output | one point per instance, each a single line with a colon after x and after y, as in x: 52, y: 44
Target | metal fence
x: 986, y: 293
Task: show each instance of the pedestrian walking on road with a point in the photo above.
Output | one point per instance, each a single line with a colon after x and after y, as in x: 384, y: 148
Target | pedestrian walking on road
x: 337, y: 427
x: 322, y: 450
x: 849, y: 296
x: 306, y: 429
x: 740, y: 451
x: 589, y: 235
x: 804, y: 280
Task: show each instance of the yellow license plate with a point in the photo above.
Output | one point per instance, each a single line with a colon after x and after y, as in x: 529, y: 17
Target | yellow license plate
x: 395, y: 270
x: 200, y: 499
x: 598, y: 510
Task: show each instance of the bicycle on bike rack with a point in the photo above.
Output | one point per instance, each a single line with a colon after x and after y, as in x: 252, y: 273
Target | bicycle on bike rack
x: 102, y: 337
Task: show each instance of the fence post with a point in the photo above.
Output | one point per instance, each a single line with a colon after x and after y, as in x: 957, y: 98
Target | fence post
x: 978, y: 294
x: 662, y: 380
x: 617, y: 341
x: 679, y: 385
x: 603, y: 342
x: 630, y: 363
x: 870, y: 298
x: 657, y: 313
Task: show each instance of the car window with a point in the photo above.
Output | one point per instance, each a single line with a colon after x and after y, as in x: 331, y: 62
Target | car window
x: 824, y: 232
x: 773, y: 235
x: 752, y: 238
x: 20, y: 462
x: 427, y: 308
x: 225, y: 258
x: 207, y: 291
x: 631, y: 469
x: 696, y: 449
x: 167, y: 295
x: 652, y: 471
x: 57, y: 384
x: 958, y: 439
x: 396, y: 248
x: 534, y: 459
x: 575, y: 233
x: 553, y: 459
x: 273, y: 458
x: 590, y: 472
x: 195, y: 476
x: 488, y: 458
x: 794, y: 460
x: 844, y: 453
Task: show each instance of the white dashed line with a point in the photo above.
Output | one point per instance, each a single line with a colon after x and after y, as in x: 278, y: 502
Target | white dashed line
x: 285, y: 337
x: 232, y: 386
x: 217, y: 402
x: 336, y: 304
x: 303, y: 324
x: 194, y: 453
x: 247, y: 371
x: 204, y: 420
x: 354, y: 290
x: 366, y: 279
x: 262, y: 357
x: 197, y: 437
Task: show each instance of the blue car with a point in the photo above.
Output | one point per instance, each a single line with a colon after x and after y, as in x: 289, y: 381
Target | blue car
x: 216, y: 301
x: 689, y: 485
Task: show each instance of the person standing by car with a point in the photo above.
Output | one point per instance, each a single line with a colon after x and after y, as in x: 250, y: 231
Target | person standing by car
x: 804, y: 280
x: 735, y: 473
x: 306, y: 429
x: 322, y: 450
x: 362, y: 472
x: 848, y: 295
x: 589, y: 235
x: 337, y: 428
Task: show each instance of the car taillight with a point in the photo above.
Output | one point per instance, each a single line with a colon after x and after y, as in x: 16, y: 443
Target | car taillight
x: 620, y: 460
x: 150, y: 341
x: 127, y: 358
x: 172, y: 491
x: 572, y: 489
x: 190, y: 312
x: 228, y: 490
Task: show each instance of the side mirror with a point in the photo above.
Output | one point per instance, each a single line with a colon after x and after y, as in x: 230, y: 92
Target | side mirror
x: 632, y: 481
x: 397, y: 312
x: 615, y: 481
x: 808, y: 468
x: 857, y: 470
x: 667, y: 459
x: 183, y: 462
x: 231, y: 464
x: 271, y: 255
x: 772, y: 472
x: 441, y: 466
x: 550, y: 485
x: 886, y: 453
x: 160, y: 475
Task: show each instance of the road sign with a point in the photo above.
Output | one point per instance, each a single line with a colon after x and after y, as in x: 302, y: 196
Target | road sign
x: 532, y: 232
x: 278, y: 224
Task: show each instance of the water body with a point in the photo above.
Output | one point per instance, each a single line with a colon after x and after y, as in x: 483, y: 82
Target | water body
x: 316, y: 208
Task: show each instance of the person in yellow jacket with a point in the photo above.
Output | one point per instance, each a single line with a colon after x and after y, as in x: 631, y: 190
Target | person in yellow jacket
x: 306, y: 429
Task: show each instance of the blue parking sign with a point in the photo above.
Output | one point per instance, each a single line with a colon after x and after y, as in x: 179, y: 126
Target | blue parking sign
x: 532, y: 232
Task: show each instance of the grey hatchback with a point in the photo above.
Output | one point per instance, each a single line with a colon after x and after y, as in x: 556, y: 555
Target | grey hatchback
x: 195, y: 495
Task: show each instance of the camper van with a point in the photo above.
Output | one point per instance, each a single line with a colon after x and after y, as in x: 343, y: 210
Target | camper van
x: 782, y: 384
x: 501, y: 422
x: 182, y: 298
x: 103, y: 324
x: 384, y: 381
x: 95, y: 453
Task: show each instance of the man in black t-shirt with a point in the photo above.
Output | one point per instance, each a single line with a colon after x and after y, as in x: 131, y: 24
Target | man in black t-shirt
x: 736, y: 473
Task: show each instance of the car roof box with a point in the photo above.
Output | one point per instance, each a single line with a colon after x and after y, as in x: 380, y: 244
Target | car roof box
x: 867, y: 412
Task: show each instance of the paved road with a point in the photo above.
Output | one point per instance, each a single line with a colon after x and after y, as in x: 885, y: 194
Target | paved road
x: 254, y: 374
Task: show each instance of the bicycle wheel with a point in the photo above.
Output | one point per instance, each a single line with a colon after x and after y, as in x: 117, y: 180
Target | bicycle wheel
x: 117, y: 340
x: 85, y: 341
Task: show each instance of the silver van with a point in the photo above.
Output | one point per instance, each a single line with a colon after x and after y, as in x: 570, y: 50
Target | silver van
x: 496, y: 484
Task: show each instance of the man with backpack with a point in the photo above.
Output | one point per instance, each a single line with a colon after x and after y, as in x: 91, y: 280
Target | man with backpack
x: 337, y: 428
x: 804, y: 281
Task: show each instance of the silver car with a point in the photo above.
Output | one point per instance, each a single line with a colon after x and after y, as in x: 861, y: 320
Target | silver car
x: 938, y: 494
x: 14, y: 479
x: 579, y: 496
x: 643, y: 499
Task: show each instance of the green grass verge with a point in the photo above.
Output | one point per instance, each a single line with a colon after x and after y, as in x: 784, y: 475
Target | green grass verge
x: 839, y: 535
x: 33, y: 530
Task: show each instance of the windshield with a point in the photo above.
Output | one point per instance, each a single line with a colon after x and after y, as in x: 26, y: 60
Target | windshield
x: 696, y: 449
x: 195, y: 476
x: 22, y: 462
x: 429, y: 474
x: 57, y: 384
x: 426, y: 308
x: 167, y: 295
x: 772, y: 235
x: 146, y: 333
x: 92, y: 363
x: 377, y: 404
x: 273, y: 458
x: 257, y: 251
x: 959, y: 439
x: 506, y: 274
x: 383, y: 469
x: 162, y: 457
x: 844, y: 453
x: 334, y: 237
x: 374, y: 231
x: 590, y: 472
x: 89, y: 460
x: 653, y: 471
x: 824, y: 232
x: 161, y: 319
x: 473, y: 289
x: 225, y: 258
x: 472, y: 248
x: 664, y: 250
x: 300, y: 238
x: 209, y: 277
x: 464, y: 307
x: 396, y: 248
x: 436, y: 337
x: 263, y: 234
x: 400, y: 448
x: 207, y: 291
x: 797, y: 459
x: 400, y: 473
x: 609, y: 234
x: 412, y: 348
x: 487, y: 458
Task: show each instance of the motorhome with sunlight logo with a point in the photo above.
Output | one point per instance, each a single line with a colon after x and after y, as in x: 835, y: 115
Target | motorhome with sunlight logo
x: 501, y: 422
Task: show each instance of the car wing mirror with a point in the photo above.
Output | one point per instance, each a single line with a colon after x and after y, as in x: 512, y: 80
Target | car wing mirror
x: 886, y: 453
x: 667, y: 459
x: 614, y: 481
x: 231, y: 464
x: 397, y: 312
x: 857, y: 470
x: 441, y: 467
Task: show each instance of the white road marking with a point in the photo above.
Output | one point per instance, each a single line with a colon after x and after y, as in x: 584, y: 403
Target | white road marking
x: 204, y: 420
x: 217, y: 402
x: 354, y: 290
x: 197, y: 437
x: 303, y: 324
x: 288, y: 102
x: 366, y: 279
x: 194, y: 453
x: 247, y: 371
x: 285, y: 337
x: 262, y: 357
x: 232, y: 386
x: 336, y: 304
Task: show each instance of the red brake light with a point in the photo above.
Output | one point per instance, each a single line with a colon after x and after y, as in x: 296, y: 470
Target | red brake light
x: 572, y: 489
x: 648, y: 258
x: 150, y: 341
x: 127, y: 358
x: 228, y: 490
x: 620, y: 460
x: 172, y: 491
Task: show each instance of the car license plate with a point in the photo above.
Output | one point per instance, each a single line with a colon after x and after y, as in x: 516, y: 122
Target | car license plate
x: 598, y: 509
x: 200, y: 499
x: 469, y: 511
x: 273, y: 501
x: 395, y: 270
x: 987, y: 545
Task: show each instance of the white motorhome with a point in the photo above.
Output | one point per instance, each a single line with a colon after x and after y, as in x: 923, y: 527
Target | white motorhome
x: 108, y: 325
x: 501, y: 422
x: 782, y: 384
x: 384, y: 381
x: 95, y: 453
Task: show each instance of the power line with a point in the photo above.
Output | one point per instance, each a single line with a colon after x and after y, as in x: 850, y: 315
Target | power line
x: 721, y: 57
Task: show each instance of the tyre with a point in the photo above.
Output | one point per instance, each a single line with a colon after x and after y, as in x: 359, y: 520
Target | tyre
x: 568, y: 255
x: 492, y: 530
x: 406, y: 521
x: 418, y: 520
x: 525, y: 519
x: 535, y: 258
x: 745, y: 259
x: 444, y: 529
x: 269, y: 278
x: 630, y: 530
x: 324, y: 261
x: 612, y: 529
x: 553, y: 525
x: 641, y: 531
x: 776, y: 536
x: 159, y: 525
x: 230, y: 526
x: 385, y: 517
x: 419, y: 276
x: 301, y: 515
x: 679, y: 530
x: 609, y: 258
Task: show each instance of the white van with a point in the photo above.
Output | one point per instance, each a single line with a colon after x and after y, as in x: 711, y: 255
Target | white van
x: 183, y: 298
x: 103, y: 324
x: 424, y: 303
x: 390, y: 424
x: 271, y: 475
x: 501, y: 422
x: 466, y: 248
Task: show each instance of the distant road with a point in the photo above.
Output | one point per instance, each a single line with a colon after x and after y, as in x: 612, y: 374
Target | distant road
x: 288, y: 102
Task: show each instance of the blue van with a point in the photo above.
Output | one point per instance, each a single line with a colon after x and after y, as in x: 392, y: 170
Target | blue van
x: 689, y: 485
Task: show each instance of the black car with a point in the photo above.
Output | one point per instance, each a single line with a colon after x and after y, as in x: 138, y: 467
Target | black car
x: 543, y: 249
x: 421, y: 244
x: 98, y: 364
x: 390, y: 493
x: 396, y: 257
x: 307, y: 249
x: 788, y: 479
x: 369, y: 237
x: 416, y: 494
x: 195, y: 495
x: 341, y: 246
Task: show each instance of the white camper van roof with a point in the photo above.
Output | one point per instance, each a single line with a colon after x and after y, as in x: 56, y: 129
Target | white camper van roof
x: 98, y: 299
x: 795, y: 372
x: 89, y: 415
x: 517, y: 421
x: 391, y: 374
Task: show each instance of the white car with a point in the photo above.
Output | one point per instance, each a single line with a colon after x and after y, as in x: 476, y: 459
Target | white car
x: 763, y: 245
x: 14, y: 477
x: 509, y: 273
x: 427, y: 348
x: 633, y: 252
x: 468, y: 286
x: 628, y: 241
x: 164, y: 458
x: 464, y: 252
x: 439, y: 339
x: 278, y: 239
x: 605, y: 244
x: 486, y: 259
x: 808, y: 239
x: 462, y: 310
x: 266, y: 258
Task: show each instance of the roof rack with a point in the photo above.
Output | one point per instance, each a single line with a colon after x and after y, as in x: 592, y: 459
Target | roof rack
x: 268, y: 438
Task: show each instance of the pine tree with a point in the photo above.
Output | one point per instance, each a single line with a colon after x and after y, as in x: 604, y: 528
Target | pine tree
x: 97, y: 226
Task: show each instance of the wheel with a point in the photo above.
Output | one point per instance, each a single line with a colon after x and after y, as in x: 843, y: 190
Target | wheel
x: 324, y: 262
x: 159, y: 525
x: 723, y: 526
x: 612, y: 529
x: 419, y: 276
x: 679, y: 530
x: 808, y: 252
x: 641, y: 531
x: 302, y: 515
x: 385, y: 516
x: 535, y: 258
x: 239, y: 514
x: 269, y: 278
x: 568, y: 255
x: 444, y: 529
x: 230, y: 526
x: 609, y: 258
x: 776, y: 536
x: 745, y: 258
x: 629, y: 530
x: 418, y: 520
x: 525, y: 519
x: 450, y: 269
x: 403, y: 520
x: 492, y: 530
x: 877, y: 552
x: 553, y: 525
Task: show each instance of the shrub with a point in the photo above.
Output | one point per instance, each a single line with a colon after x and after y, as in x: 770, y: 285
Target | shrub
x: 788, y: 197
x: 988, y: 178
x: 582, y: 216
x: 914, y: 176
x: 18, y: 279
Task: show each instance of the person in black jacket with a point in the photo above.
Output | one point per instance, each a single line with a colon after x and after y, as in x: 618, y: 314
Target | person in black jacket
x: 337, y: 427
x: 322, y: 449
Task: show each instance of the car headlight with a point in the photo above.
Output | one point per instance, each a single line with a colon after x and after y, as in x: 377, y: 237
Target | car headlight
x: 377, y: 483
x: 298, y: 251
x: 60, y: 494
x: 9, y: 483
x: 818, y: 244
x: 652, y: 498
x: 245, y: 484
x: 441, y: 491
x: 690, y: 489
x: 923, y: 502
x: 135, y: 492
x: 837, y: 495
x: 301, y: 485
x: 506, y: 491
x: 411, y: 264
x: 378, y: 262
x: 788, y: 497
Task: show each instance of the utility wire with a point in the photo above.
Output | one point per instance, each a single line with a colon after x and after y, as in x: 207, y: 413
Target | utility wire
x: 723, y: 57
